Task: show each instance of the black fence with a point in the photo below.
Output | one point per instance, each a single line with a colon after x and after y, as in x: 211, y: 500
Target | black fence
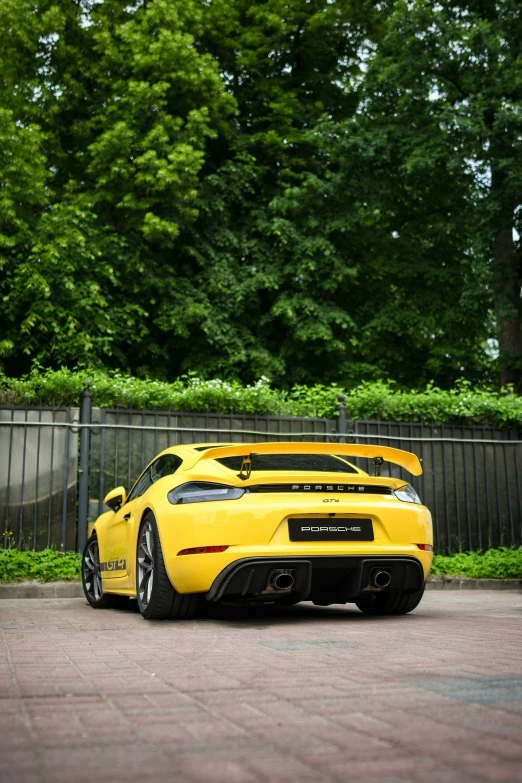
x: 471, y: 479
x: 57, y: 464
x: 39, y: 476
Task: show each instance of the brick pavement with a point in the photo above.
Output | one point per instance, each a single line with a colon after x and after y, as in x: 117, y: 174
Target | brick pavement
x: 307, y: 693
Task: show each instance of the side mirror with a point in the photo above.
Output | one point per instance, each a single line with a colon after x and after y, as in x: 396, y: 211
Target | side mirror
x: 115, y: 498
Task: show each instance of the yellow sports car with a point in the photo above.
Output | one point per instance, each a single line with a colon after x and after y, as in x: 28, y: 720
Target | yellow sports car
x: 258, y: 523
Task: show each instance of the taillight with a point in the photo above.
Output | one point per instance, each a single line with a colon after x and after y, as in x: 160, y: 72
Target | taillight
x: 407, y: 494
x: 202, y: 550
x: 425, y: 547
x: 203, y: 492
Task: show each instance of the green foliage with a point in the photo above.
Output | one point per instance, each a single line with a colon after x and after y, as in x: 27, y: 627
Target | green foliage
x: 23, y: 177
x: 442, y: 99
x: 502, y: 563
x: 48, y: 565
x: 339, y: 278
x: 190, y: 393
x: 116, y: 106
x: 64, y: 298
x: 381, y: 400
x: 292, y: 188
x: 159, y: 99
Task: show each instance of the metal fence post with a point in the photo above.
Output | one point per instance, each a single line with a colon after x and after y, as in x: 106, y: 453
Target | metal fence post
x: 83, y: 481
x: 341, y: 418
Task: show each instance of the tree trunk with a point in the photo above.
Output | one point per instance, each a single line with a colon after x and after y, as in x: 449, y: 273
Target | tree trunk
x: 507, y: 281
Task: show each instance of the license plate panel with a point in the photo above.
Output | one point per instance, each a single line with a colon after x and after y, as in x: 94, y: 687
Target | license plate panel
x: 306, y: 529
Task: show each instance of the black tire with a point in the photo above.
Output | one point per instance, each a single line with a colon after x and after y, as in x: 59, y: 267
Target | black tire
x: 389, y: 602
x: 157, y: 598
x: 92, y: 582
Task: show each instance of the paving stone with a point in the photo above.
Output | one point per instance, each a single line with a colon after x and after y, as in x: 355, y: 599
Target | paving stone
x: 483, y: 690
x: 289, y: 645
x: 313, y: 694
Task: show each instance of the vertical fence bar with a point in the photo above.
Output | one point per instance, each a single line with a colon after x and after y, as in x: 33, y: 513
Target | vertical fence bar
x: 422, y: 478
x: 50, y: 503
x: 477, y: 497
x: 466, y: 493
x: 83, y: 481
x: 116, y: 447
x: 65, y: 483
x: 518, y: 481
x: 102, y: 463
x: 455, y: 479
x: 22, y: 496
x: 142, y: 461
x: 435, y: 499
x: 129, y: 452
x: 508, y: 493
x: 36, y: 480
x: 486, y: 487
x: 445, y: 487
x: 497, y: 496
x: 341, y: 418
x: 8, y: 492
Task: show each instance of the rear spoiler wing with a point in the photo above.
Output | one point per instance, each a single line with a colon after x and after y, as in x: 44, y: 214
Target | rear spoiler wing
x: 405, y: 459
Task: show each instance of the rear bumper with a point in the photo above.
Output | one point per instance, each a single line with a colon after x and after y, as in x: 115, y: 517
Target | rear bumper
x: 324, y: 579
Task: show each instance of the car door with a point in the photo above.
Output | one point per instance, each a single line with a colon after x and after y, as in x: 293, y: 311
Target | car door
x: 163, y: 466
x: 114, y: 552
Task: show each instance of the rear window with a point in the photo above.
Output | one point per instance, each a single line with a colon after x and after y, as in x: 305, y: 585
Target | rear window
x: 314, y: 463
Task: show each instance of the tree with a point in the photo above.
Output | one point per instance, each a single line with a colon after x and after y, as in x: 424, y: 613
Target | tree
x: 23, y: 178
x: 23, y: 192
x: 274, y: 187
x: 267, y: 300
x: 338, y: 222
x: 125, y: 105
x: 448, y: 75
x: 64, y: 303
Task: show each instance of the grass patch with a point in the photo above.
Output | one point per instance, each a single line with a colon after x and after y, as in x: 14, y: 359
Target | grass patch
x: 502, y: 563
x: 45, y: 566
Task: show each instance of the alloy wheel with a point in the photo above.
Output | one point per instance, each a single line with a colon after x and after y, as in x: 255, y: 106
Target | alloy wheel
x: 145, y: 564
x: 92, y: 571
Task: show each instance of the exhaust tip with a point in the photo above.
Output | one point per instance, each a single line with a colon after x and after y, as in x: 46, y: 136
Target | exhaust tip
x: 282, y: 580
x: 380, y: 578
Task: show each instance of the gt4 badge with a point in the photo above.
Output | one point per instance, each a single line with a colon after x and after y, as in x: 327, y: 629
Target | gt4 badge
x: 114, y: 565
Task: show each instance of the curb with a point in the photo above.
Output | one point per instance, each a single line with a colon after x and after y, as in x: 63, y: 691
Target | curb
x: 454, y: 583
x: 75, y: 590
x: 42, y: 590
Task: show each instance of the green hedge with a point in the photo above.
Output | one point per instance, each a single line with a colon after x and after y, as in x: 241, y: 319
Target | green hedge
x: 189, y: 393
x: 51, y: 566
x: 500, y: 563
x: 45, y: 566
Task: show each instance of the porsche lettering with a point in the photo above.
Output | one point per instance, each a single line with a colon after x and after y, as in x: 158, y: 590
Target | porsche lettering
x: 324, y: 488
x: 338, y: 529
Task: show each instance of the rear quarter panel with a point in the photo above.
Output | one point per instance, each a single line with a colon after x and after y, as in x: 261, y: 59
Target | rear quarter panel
x: 256, y: 526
